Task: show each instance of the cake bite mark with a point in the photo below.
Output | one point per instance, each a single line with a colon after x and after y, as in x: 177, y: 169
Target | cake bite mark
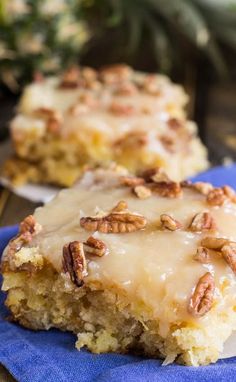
x: 202, y: 298
x: 169, y: 223
x: 74, y: 262
x: 95, y: 247
x: 201, y: 222
x: 114, y: 222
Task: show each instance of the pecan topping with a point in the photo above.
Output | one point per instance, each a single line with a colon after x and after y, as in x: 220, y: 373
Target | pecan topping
x: 203, y: 188
x: 78, y: 109
x: 203, y: 255
x: 114, y: 222
x: 70, y: 78
x: 89, y: 74
x: 131, y: 140
x: 228, y: 252
x: 216, y: 197
x: 74, y: 262
x: 167, y: 189
x: 214, y: 242
x: 202, y: 298
x: 95, y: 247
x: 131, y: 181
x: 121, y: 206
x: 17, y: 243
x: 167, y: 222
x: 53, y: 117
x: 174, y: 123
x: 168, y: 143
x: 142, y: 192
x: 30, y: 225
x: 202, y: 221
x: 155, y: 174
x: 120, y: 109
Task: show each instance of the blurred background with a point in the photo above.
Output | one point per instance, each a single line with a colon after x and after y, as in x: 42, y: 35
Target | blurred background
x: 193, y: 41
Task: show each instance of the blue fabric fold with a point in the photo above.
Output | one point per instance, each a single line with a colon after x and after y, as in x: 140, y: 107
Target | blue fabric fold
x: 51, y: 357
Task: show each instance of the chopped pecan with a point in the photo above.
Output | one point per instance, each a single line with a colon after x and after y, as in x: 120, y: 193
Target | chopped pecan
x: 142, y: 192
x: 202, y: 298
x: 132, y: 140
x: 121, y: 206
x: 131, y: 181
x: 174, y: 123
x: 216, y: 197
x: 53, y: 117
x: 95, y: 247
x: 121, y: 109
x: 155, y: 174
x: 228, y: 252
x: 74, y: 262
x: 167, y: 222
x: 115, y: 222
x: 30, y: 225
x: 167, y: 189
x: 203, y: 188
x: 214, y: 242
x: 89, y: 100
x: 203, y: 255
x: 202, y: 221
x: 18, y: 242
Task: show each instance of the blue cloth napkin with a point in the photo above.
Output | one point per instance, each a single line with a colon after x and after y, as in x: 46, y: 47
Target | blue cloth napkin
x: 51, y: 357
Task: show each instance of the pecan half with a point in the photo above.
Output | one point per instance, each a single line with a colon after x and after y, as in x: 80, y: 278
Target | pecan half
x: 74, y: 262
x: 30, y: 225
x: 95, y: 247
x: 142, y: 192
x: 115, y: 222
x: 167, y: 222
x: 214, y: 242
x: 216, y: 197
x: 131, y: 181
x: 167, y: 189
x: 202, y: 298
x: 228, y: 252
x: 202, y: 221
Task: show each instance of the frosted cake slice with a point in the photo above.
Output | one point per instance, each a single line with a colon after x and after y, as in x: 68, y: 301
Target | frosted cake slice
x: 130, y: 264
x: 85, y: 117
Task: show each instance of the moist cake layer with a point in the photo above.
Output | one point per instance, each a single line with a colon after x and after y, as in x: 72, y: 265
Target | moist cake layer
x: 159, y: 255
x: 89, y: 117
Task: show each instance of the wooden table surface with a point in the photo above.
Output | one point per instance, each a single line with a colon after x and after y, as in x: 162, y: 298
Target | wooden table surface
x: 217, y: 128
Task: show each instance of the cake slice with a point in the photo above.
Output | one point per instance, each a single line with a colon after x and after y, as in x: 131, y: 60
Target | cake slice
x: 85, y: 117
x: 130, y: 264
